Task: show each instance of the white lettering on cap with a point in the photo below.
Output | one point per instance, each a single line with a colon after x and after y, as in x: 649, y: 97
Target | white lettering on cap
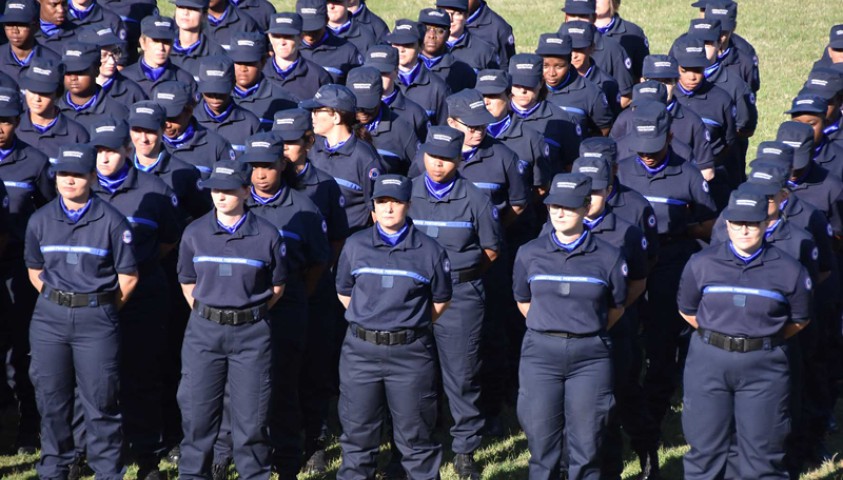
x: 165, y: 96
x: 568, y: 185
x: 105, y: 129
x: 41, y: 71
x: 318, y: 95
x: 694, y: 49
x: 16, y: 6
x: 361, y: 86
x: 392, y: 181
x: 589, y: 170
x: 524, y: 66
x: 792, y: 144
x: 245, y: 43
x: 284, y: 121
x: 771, y: 150
x: 807, y: 101
x: 378, y: 55
x: 283, y: 20
x: 746, y: 202
x: 592, y: 155
x: 224, y: 171
x: 648, y: 90
x: 215, y: 73
x: 645, y: 128
x: 73, y: 53
x: 817, y: 81
x: 5, y: 98
x: 436, y: 14
x: 477, y: 105
x: 488, y: 78
x: 578, y: 31
x: 762, y: 175
x: 145, y: 110
x: 662, y: 64
x: 557, y: 41
x: 442, y: 138
x: 261, y: 144
x: 72, y: 154
x: 839, y: 32
x: 719, y: 11
x: 404, y: 27
x: 703, y: 26
x: 308, y: 11
x: 104, y: 31
x: 163, y: 24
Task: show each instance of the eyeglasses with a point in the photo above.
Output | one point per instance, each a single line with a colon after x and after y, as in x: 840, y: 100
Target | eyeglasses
x: 438, y: 31
x: 477, y: 128
x: 752, y: 227
x: 115, y: 55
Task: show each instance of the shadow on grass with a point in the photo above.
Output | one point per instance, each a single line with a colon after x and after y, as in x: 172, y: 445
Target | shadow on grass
x: 25, y: 466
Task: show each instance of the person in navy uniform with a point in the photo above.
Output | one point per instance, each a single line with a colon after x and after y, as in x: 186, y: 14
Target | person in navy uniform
x: 571, y: 287
x: 631, y: 37
x: 833, y: 51
x: 361, y: 13
x: 19, y: 25
x: 437, y: 56
x: 811, y: 110
x: 486, y: 24
x: 112, y: 54
x: 252, y: 90
x: 88, y: 13
x: 193, y: 41
x: 463, y: 221
x: 341, y: 24
x: 465, y: 47
x: 393, y: 137
x: 260, y: 11
x: 84, y: 100
x: 318, y: 44
x: 56, y: 27
x: 827, y: 83
x: 744, y: 298
x: 395, y: 282
x: 232, y: 269
x: 150, y: 207
x: 288, y: 68
x: 80, y: 258
x: 741, y: 61
x: 582, y: 45
x: 225, y: 19
x: 738, y: 42
x: 132, y: 14
x: 155, y: 67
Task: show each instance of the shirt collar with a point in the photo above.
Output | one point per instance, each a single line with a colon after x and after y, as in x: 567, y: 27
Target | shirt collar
x: 215, y: 22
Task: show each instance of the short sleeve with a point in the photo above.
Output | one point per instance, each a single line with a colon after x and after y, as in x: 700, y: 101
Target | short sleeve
x: 345, y: 279
x: 32, y: 247
x: 704, y: 207
x: 441, y: 285
x: 518, y: 184
x: 617, y: 281
x: 801, y: 298
x: 520, y: 277
x: 184, y: 267
x: 636, y: 253
x: 279, y: 263
x: 689, y: 294
x: 121, y: 244
x: 489, y: 230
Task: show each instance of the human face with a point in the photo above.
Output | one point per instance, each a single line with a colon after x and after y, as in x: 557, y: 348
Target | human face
x: 690, y: 78
x: 313, y: 36
x: 554, y: 70
x: 458, y: 19
x: 440, y: 169
x: 580, y: 58
x: 110, y: 161
x: 524, y: 97
x: 408, y: 54
x: 247, y: 74
x: 598, y: 203
x: 109, y: 57
x: 366, y: 115
x: 54, y: 11
x: 173, y: 126
x: 74, y: 187
x: 229, y: 202
x: 654, y: 159
x: 746, y: 237
x: 388, y: 81
x: 155, y: 52
x: 19, y: 34
x: 603, y: 8
x: 189, y: 19
x: 296, y: 151
x: 565, y: 220
x: 474, y: 134
x: 390, y: 213
x: 79, y: 83
x: 836, y: 55
x: 284, y: 46
x: 434, y: 39
x: 217, y: 102
x: 266, y: 177
x: 773, y: 206
x: 324, y: 120
x: 145, y: 141
x: 7, y: 131
x: 497, y: 105
x: 711, y: 50
x: 669, y: 84
x: 816, y: 122
x: 337, y: 11
x: 40, y: 103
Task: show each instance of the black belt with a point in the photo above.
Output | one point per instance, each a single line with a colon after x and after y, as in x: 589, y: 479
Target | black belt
x: 739, y: 344
x: 465, y: 275
x: 379, y: 337
x: 227, y: 316
x: 74, y: 300
x: 570, y: 335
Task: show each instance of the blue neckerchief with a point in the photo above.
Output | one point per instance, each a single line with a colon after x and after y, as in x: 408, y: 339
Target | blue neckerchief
x: 748, y: 259
x: 476, y: 14
x: 827, y: 130
x: 373, y: 125
x: 819, y: 148
x: 26, y: 60
x: 439, y: 190
x: 264, y: 201
x: 186, y: 136
x: 388, y: 99
x: 615, y: 187
x: 107, y: 85
x: 318, y: 42
x: 524, y: 113
x: 5, y: 153
x: 497, y: 128
x: 236, y: 3
x: 359, y: 11
x: 712, y: 69
x: 592, y: 224
x: 407, y: 78
x: 332, y: 149
x: 569, y: 78
x: 393, y: 239
x: 221, y: 117
x: 283, y: 72
x: 188, y: 50
x: 469, y: 154
x: 451, y: 44
x: 113, y: 182
x: 232, y: 229
x: 48, y: 28
x: 689, y: 93
x: 431, y: 62
x: 671, y: 105
x: 342, y: 28
x: 84, y: 106
x: 303, y: 170
x: 772, y: 228
x: 216, y: 22
x: 153, y: 74
x: 47, y: 127
x: 248, y: 92
x: 608, y: 26
x: 657, y: 170
x: 78, y: 13
x: 569, y: 247
x: 148, y: 169
x: 75, y: 215
x: 798, y: 181
x: 590, y: 69
x: 783, y: 205
x: 724, y: 54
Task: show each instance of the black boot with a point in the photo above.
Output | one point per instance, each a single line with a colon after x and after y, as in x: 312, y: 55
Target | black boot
x: 148, y: 469
x: 466, y: 467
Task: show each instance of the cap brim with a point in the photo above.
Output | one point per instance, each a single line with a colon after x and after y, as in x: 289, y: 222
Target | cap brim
x: 734, y: 214
x: 245, y: 57
x: 39, y: 87
x: 381, y: 66
x: 647, y: 144
x: 400, y: 39
x: 17, y: 19
x: 563, y: 200
x: 577, y: 10
x: 661, y: 74
x: 640, y: 100
x: 10, y: 112
x: 283, y: 30
x: 531, y: 81
x: 491, y: 89
x: 74, y: 167
x: 216, y: 87
x: 310, y: 104
x: 801, y: 160
x: 221, y: 184
x: 809, y: 109
x: 581, y: 44
x: 476, y: 119
x: 260, y: 158
x: 288, y: 135
x: 173, y: 109
x: 695, y: 62
x: 401, y: 197
x: 440, y: 151
x: 546, y: 52
x: 766, y: 189
x: 159, y: 35
x: 77, y: 65
x: 367, y: 101
x: 189, y: 4
x: 111, y: 142
x: 144, y: 123
x: 313, y: 24
x: 598, y: 183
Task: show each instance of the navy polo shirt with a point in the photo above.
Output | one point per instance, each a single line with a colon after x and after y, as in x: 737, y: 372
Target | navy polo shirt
x: 464, y: 222
x: 456, y: 73
x: 15, y: 67
x: 236, y: 127
x: 232, y: 270
x: 171, y: 72
x: 395, y: 140
x: 393, y: 288
x: 717, y: 110
x: 612, y: 59
x: 26, y: 176
x: 98, y: 106
x: 477, y: 53
x: 303, y: 231
x: 261, y: 11
x: 324, y: 192
x: 744, y: 64
x: 634, y: 208
x: 123, y: 90
x: 302, y: 81
x: 354, y: 165
x: 608, y: 84
x: 233, y: 21
x: 569, y: 291
x: 356, y: 34
x: 336, y: 55
x: 531, y: 147
x: 410, y: 111
x: 807, y: 217
x: 98, y: 17
x: 746, y: 113
x: 64, y: 132
x: 632, y: 39
x: 430, y: 92
x: 487, y: 25
x: 830, y: 156
x: 265, y: 100
x: 368, y: 18
x: 583, y: 99
x: 150, y: 207
x: 755, y: 299
x: 81, y: 257
x: 678, y: 193
x: 183, y: 179
x: 561, y: 131
x: 822, y: 190
x: 202, y: 149
x: 187, y: 57
x: 66, y: 32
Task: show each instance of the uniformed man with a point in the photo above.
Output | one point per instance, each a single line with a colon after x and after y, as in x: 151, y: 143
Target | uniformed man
x: 474, y: 51
x: 827, y: 83
x: 336, y: 55
x: 85, y: 102
x: 193, y: 41
x: 112, y: 53
x: 132, y: 14
x: 19, y: 25
x: 56, y: 27
x: 288, y: 68
x: 811, y: 110
x: 435, y: 52
x: 743, y: 61
x: 341, y: 24
x: 582, y: 43
x: 87, y: 13
x: 225, y: 19
x: 154, y: 66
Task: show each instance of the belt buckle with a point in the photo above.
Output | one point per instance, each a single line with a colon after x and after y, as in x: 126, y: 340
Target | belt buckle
x: 227, y: 317
x: 65, y: 299
x: 382, y: 338
x: 737, y: 344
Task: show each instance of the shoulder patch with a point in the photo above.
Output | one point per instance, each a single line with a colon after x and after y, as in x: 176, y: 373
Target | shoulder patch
x: 495, y: 214
x: 707, y: 136
x: 546, y: 150
x: 523, y: 165
x: 579, y: 128
x: 651, y: 221
x: 815, y: 253
x: 324, y: 226
x: 174, y: 200
x: 624, y: 269
x: 705, y: 186
x: 604, y: 99
x: 752, y: 98
x: 127, y: 237
x: 646, y: 42
x: 6, y: 201
x: 734, y: 111
x: 446, y: 265
x: 808, y: 283
x: 283, y: 249
x: 643, y: 243
x: 342, y: 201
x: 373, y: 173
x: 627, y: 63
x: 511, y: 39
x: 829, y: 230
x: 231, y: 154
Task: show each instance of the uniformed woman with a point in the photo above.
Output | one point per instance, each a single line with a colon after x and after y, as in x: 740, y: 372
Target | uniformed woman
x: 571, y: 287
x: 232, y: 269
x: 79, y: 255
x: 395, y: 282
x: 745, y: 298
x: 192, y: 42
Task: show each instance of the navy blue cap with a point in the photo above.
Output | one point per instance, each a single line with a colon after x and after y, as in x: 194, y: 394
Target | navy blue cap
x: 158, y: 27
x: 172, y: 95
x: 469, y: 108
x: 314, y: 14
x: 247, y: 47
x: 227, y: 175
x: 768, y: 178
x: 746, y: 206
x: 382, y: 57
x: 443, y: 142
x: 600, y: 147
x: 148, y: 115
x: 435, y: 16
x: 394, y: 186
x: 835, y: 37
x: 707, y: 29
x: 42, y: 76
x: 775, y: 152
x: 650, y: 126
x: 75, y: 158
x: 649, y: 91
x: 216, y: 74
x: 264, y: 147
x: 554, y: 45
x: 725, y: 11
x: 700, y: 4
x: 580, y: 7
x: 581, y: 33
x: 690, y: 52
x: 10, y: 103
x: 285, y: 23
x: 800, y: 136
x: 100, y: 35
x: 195, y: 4
x: 569, y: 190
x: 461, y: 5
x: 20, y: 11
x: 525, y: 69
x: 824, y: 82
x: 78, y: 56
x: 109, y: 132
x: 598, y: 169
x: 292, y: 124
x: 366, y: 85
x: 808, y: 103
x: 492, y: 82
x: 332, y: 96
x: 660, y: 67
x: 405, y: 32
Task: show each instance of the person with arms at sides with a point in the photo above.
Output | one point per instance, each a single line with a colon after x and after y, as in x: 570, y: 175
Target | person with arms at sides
x: 734, y: 55
x: 192, y: 42
x: 342, y: 25
x: 155, y: 67
x: 287, y: 67
x: 89, y: 13
x: 436, y: 55
x: 112, y: 53
x: 320, y: 45
x: 132, y: 13
x: 84, y: 101
x: 475, y: 52
x: 19, y: 22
